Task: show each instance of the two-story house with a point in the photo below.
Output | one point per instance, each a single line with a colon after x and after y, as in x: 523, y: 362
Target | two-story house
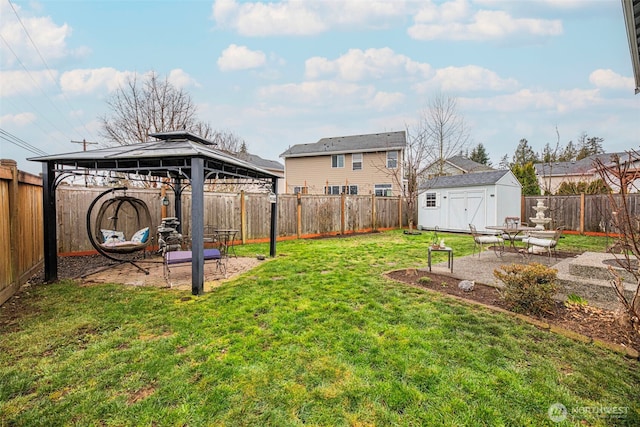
x: 358, y: 164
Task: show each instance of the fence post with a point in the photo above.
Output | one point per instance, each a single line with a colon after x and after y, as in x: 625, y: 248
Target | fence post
x: 13, y: 219
x: 373, y: 212
x: 399, y: 212
x: 243, y: 218
x: 342, y: 212
x: 299, y: 215
x: 582, y: 204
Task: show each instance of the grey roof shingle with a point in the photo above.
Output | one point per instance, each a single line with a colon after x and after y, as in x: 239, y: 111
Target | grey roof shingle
x: 468, y: 165
x: 464, y: 180
x: 579, y: 167
x: 350, y: 144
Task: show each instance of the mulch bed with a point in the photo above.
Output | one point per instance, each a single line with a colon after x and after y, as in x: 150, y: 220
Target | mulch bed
x: 591, y: 322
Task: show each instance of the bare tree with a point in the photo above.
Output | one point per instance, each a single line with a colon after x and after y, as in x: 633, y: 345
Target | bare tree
x: 621, y: 175
x: 147, y: 105
x: 445, y: 131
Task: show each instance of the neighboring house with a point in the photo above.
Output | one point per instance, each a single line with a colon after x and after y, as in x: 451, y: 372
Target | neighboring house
x: 272, y: 166
x: 552, y: 175
x: 358, y: 164
x: 484, y: 198
x: 455, y: 165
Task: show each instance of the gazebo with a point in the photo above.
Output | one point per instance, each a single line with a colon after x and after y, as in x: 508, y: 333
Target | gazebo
x: 181, y: 157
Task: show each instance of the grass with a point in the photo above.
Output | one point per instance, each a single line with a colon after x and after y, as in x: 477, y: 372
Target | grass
x: 316, y: 336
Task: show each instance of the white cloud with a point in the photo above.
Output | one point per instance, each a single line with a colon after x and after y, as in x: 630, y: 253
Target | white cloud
x: 611, y: 80
x: 358, y: 65
x: 296, y: 17
x: 84, y: 81
x: 455, y: 20
x: 240, y: 58
x: 471, y: 77
x: 20, y: 119
x: 383, y: 101
x: 23, y: 82
x: 49, y: 38
x: 526, y: 99
x: 180, y: 79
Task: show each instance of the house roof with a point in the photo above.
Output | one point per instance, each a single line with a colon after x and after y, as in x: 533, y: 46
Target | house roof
x: 272, y: 165
x: 465, y: 180
x: 467, y: 165
x: 350, y: 144
x: 631, y: 11
x: 579, y: 167
x: 171, y: 155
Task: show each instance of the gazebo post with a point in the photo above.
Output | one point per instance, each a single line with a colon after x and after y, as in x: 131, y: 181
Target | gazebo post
x: 274, y: 219
x: 177, y: 202
x: 197, y: 225
x: 49, y: 222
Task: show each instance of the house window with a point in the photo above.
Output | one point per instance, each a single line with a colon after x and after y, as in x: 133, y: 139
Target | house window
x: 382, y: 190
x: 332, y: 189
x: 301, y: 190
x: 356, y: 161
x: 350, y: 189
x: 337, y: 161
x: 431, y: 200
x: 392, y: 159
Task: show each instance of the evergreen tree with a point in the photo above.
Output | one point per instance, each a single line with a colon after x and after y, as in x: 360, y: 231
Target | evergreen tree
x: 526, y: 174
x: 524, y: 154
x: 479, y: 154
x: 549, y: 155
x: 504, y: 162
x: 569, y: 153
x: 589, y: 146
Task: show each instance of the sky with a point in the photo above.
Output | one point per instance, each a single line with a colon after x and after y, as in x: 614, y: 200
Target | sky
x: 280, y: 73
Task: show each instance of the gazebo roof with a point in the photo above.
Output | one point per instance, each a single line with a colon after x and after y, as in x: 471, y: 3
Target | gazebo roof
x: 170, y: 154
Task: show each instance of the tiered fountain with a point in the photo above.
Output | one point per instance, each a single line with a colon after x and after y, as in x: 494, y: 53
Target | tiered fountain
x: 540, y: 221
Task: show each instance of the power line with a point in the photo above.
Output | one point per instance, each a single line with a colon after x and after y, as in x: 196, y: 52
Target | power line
x: 51, y: 76
x: 12, y: 139
x: 84, y: 144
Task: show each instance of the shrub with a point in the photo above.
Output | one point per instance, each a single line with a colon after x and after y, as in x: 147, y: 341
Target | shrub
x: 425, y: 280
x: 528, y: 288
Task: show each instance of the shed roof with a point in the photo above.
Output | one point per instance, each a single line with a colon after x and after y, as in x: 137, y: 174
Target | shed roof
x: 464, y: 180
x: 350, y: 144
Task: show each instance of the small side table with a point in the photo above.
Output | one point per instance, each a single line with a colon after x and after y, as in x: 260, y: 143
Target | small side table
x: 446, y: 249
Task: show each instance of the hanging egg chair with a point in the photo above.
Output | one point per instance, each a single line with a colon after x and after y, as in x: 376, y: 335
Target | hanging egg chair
x: 121, y: 226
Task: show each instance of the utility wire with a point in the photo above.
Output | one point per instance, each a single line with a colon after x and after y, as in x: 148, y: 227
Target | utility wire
x: 51, y: 76
x: 12, y: 139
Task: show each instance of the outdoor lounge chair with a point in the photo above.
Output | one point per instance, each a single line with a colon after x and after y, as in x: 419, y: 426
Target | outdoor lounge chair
x: 479, y: 240
x: 547, y: 245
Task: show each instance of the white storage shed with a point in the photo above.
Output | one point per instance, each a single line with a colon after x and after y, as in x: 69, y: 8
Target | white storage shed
x: 453, y: 202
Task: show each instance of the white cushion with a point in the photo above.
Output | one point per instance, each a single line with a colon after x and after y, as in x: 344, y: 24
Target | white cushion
x: 111, y: 236
x: 489, y: 239
x: 536, y: 241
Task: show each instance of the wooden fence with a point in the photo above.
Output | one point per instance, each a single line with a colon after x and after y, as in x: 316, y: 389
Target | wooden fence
x: 21, y: 239
x: 299, y: 216
x: 580, y: 213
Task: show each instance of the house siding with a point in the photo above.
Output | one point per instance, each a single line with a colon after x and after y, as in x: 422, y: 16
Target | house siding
x: 315, y: 173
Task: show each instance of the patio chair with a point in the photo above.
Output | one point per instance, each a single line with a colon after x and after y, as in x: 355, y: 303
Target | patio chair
x: 513, y: 222
x: 479, y: 240
x: 547, y: 245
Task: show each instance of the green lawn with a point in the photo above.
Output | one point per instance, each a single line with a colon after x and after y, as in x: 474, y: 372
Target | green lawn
x: 316, y: 336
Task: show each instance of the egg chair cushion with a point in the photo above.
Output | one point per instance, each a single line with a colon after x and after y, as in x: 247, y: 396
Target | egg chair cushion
x: 112, y: 236
x: 141, y: 235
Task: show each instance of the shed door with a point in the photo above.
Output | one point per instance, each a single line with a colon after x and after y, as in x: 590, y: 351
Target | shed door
x: 466, y: 207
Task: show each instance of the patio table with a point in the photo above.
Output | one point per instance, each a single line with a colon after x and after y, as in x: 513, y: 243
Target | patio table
x: 511, y: 231
x: 446, y: 249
